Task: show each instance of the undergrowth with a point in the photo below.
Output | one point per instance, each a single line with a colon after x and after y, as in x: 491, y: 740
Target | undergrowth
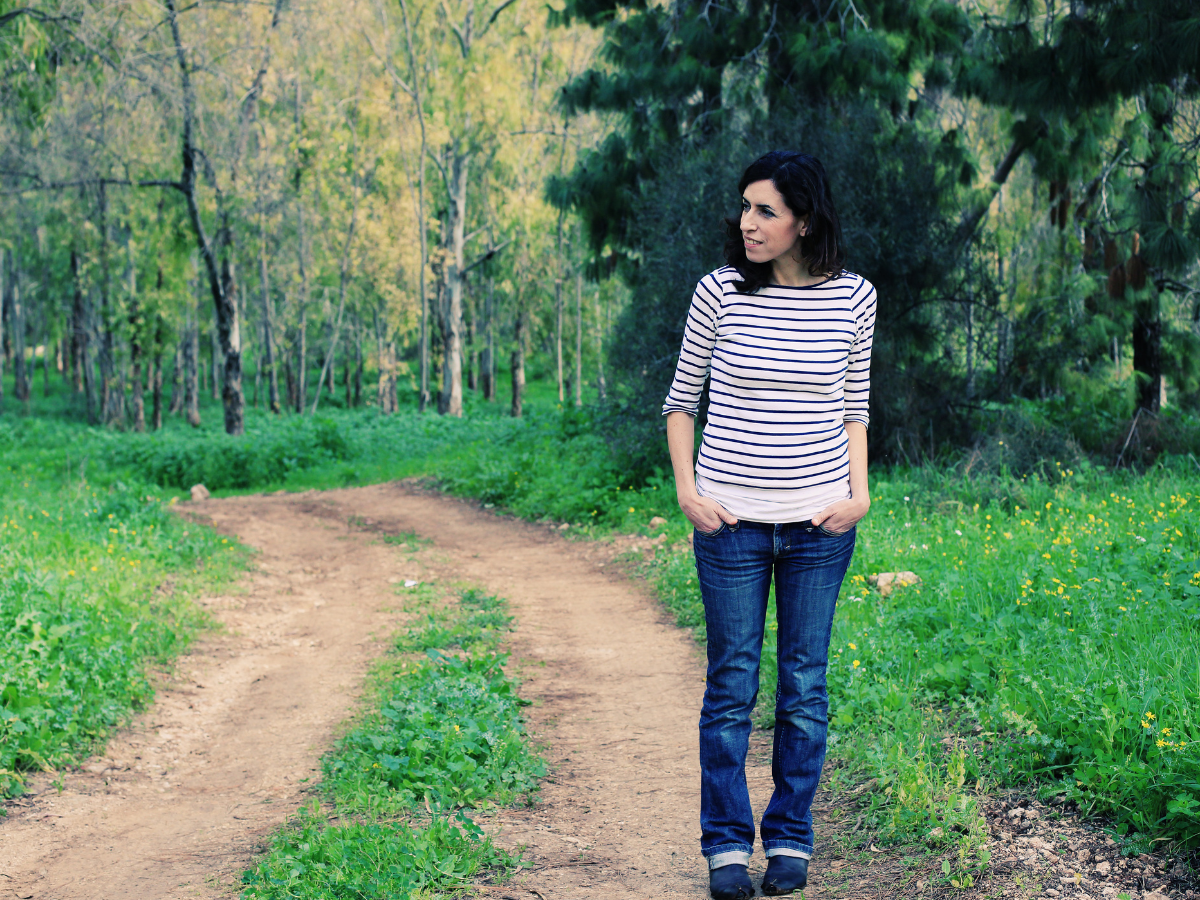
x: 440, y: 734
x: 96, y: 590
x: 1052, y: 643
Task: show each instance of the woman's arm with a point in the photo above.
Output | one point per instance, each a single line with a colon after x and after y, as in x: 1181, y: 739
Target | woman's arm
x: 845, y: 514
x: 705, y: 514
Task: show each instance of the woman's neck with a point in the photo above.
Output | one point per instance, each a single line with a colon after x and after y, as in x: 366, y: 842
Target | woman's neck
x: 792, y: 271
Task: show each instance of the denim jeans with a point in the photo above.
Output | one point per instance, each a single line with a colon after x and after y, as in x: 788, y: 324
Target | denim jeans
x: 735, y: 565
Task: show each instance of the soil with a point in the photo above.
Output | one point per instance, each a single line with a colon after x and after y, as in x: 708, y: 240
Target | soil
x: 184, y: 798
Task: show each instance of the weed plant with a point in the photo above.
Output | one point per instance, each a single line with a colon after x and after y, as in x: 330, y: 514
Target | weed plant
x: 441, y: 733
x: 96, y: 588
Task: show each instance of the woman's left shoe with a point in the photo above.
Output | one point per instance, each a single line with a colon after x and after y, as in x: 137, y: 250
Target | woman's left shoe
x: 785, y: 874
x: 730, y: 883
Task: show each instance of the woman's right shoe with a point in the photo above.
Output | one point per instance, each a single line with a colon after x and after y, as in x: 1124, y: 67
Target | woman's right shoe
x: 730, y: 883
x: 785, y: 874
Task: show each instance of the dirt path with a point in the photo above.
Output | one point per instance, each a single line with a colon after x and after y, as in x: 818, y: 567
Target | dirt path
x: 184, y: 798
x: 181, y: 800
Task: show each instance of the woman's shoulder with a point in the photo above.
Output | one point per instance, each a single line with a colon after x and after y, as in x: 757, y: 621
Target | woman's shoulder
x: 859, y: 288
x: 854, y: 280
x: 720, y: 281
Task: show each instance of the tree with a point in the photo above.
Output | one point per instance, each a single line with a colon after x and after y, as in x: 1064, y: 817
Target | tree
x: 1070, y: 74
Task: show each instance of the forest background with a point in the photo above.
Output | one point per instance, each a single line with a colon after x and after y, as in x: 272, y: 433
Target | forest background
x: 287, y: 244
x: 286, y: 205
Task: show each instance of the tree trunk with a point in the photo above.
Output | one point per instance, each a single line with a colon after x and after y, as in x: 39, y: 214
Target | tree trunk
x: 472, y: 354
x: 424, y: 395
x: 578, y: 339
x: 452, y: 318
x: 217, y: 253
x: 111, y: 400
x: 1147, y: 354
x: 176, y: 405
x: 356, y: 398
x: 67, y: 357
x: 290, y: 381
x: 191, y: 374
x: 487, y: 364
x: 268, y: 324
x: 46, y: 328
x: 601, y: 322
x: 46, y: 344
x: 218, y: 370
x: 16, y: 327
x: 137, y: 397
x: 518, y: 363
x: 156, y: 379
x: 386, y: 351
x: 85, y: 378
x: 302, y: 363
x: 970, y: 349
x: 343, y: 282
x: 558, y: 333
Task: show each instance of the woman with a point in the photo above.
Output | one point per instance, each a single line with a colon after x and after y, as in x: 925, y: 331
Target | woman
x: 778, y: 487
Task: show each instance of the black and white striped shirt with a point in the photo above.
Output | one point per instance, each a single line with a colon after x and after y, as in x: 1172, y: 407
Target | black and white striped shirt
x: 789, y: 366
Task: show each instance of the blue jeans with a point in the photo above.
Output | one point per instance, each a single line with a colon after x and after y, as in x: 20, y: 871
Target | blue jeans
x: 735, y: 565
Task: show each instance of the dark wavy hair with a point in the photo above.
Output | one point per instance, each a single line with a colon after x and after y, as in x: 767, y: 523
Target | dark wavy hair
x: 801, y: 180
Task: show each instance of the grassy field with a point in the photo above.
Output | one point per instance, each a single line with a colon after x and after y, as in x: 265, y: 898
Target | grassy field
x: 96, y: 588
x: 1052, y: 642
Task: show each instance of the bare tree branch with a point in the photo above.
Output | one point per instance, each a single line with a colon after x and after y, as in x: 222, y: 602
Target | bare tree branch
x: 38, y: 15
x: 495, y: 15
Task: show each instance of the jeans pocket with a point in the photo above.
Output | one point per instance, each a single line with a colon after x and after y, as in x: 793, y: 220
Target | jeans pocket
x: 825, y: 531
x: 711, y: 534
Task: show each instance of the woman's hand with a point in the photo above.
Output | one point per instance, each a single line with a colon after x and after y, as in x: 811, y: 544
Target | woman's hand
x: 706, y: 514
x: 840, y: 517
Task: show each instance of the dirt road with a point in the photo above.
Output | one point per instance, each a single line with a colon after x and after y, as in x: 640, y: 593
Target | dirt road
x: 182, y: 799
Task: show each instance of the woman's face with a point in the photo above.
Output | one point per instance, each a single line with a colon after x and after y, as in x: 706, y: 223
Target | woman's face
x: 769, y: 229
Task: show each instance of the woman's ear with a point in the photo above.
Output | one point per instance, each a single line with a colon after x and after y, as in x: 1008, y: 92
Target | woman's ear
x: 804, y: 226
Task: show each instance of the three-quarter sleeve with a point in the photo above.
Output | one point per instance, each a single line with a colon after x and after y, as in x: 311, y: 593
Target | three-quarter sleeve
x: 695, y: 355
x: 858, y: 374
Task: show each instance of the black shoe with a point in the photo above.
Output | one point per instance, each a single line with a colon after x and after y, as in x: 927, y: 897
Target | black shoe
x: 785, y: 874
x: 730, y: 883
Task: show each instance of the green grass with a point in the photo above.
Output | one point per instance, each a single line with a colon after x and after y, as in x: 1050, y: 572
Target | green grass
x: 1056, y: 639
x: 440, y: 733
x: 1051, y: 644
x: 96, y: 590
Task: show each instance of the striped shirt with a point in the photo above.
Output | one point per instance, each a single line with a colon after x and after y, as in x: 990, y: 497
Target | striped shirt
x: 789, y: 366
